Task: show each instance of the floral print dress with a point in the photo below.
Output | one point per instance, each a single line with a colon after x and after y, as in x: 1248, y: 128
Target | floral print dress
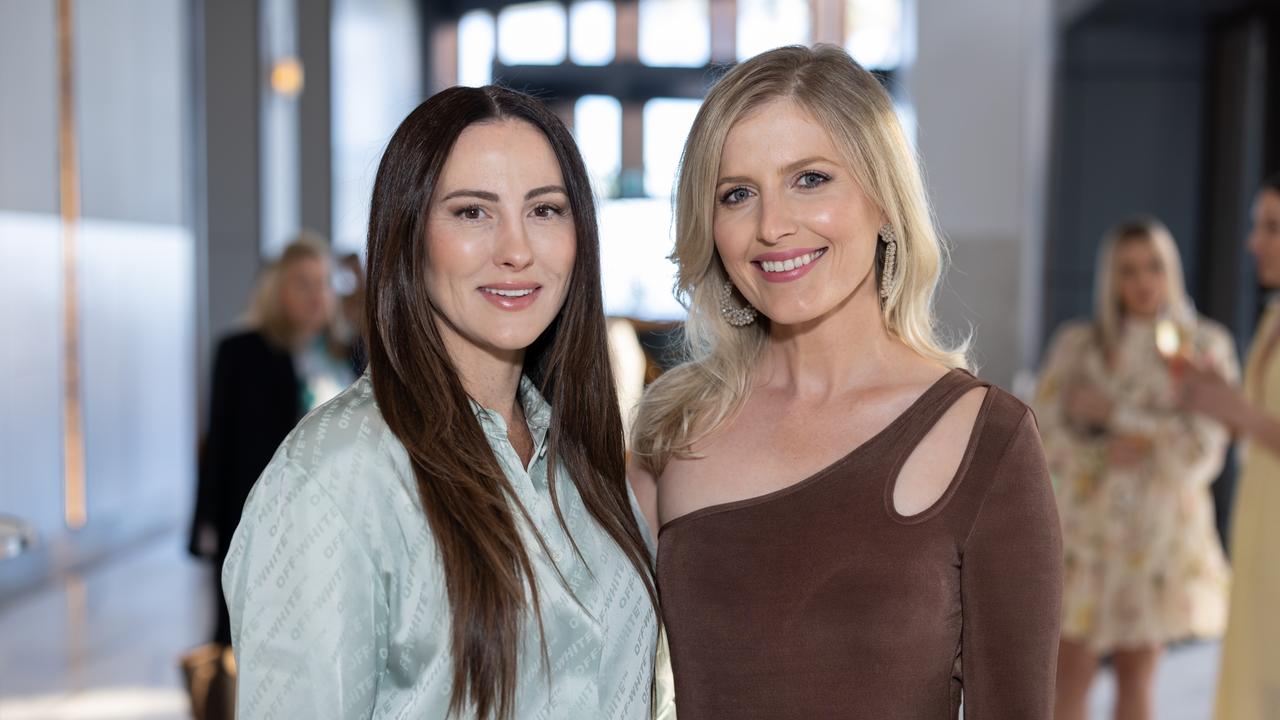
x: 1143, y: 563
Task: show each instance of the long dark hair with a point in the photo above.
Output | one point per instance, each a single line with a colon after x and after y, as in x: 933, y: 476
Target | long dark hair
x: 465, y: 495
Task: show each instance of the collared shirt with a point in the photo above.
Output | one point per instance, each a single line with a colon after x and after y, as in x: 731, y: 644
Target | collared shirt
x: 337, y: 594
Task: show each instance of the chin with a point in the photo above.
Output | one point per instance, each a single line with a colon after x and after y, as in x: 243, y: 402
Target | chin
x: 791, y: 315
x: 512, y: 340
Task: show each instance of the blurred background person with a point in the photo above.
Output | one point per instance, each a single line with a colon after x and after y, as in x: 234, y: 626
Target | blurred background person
x: 265, y: 378
x: 1143, y: 563
x: 1249, y: 677
x: 349, y: 282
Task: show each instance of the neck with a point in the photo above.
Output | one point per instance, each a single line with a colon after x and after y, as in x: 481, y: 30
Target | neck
x: 846, y: 348
x: 489, y: 375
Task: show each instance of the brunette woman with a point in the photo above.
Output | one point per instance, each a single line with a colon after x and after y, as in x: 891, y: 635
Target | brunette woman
x: 453, y: 535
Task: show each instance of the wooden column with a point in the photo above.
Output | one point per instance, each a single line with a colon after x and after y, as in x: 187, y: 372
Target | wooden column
x: 724, y: 31
x: 827, y: 24
x: 627, y: 50
x: 75, y: 504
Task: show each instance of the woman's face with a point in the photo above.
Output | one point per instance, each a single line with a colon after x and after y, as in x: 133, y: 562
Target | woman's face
x: 794, y: 230
x: 1264, y: 238
x: 305, y: 295
x: 1140, y: 278
x: 500, y: 238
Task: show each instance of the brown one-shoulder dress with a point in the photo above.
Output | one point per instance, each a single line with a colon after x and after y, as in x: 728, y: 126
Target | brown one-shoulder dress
x: 821, y: 601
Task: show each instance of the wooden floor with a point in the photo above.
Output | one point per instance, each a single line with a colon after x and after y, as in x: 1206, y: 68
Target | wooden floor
x: 104, y: 645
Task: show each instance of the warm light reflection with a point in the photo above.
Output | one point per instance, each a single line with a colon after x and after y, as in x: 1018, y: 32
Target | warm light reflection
x: 287, y: 77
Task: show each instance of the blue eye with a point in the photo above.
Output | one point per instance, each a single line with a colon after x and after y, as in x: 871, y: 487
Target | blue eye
x: 735, y: 196
x: 811, y: 179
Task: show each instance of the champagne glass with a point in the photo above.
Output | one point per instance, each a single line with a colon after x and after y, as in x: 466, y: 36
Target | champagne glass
x: 1169, y: 338
x: 1171, y: 343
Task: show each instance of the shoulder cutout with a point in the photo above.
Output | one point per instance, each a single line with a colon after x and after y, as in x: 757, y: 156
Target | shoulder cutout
x: 933, y: 464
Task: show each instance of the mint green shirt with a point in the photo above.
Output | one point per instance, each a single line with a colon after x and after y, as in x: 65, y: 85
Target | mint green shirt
x: 337, y: 597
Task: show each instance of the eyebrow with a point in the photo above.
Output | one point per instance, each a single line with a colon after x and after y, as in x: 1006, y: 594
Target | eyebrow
x: 481, y: 194
x: 786, y: 170
x: 545, y: 190
x: 493, y: 197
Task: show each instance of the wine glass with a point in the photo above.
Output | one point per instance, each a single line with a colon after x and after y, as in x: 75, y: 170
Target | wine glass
x: 1169, y: 338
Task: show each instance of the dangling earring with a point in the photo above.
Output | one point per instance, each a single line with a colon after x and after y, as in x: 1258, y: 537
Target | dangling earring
x: 890, y: 260
x: 735, y: 316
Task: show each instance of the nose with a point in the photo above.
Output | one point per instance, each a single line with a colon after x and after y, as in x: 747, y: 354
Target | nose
x: 513, y: 251
x: 775, y: 222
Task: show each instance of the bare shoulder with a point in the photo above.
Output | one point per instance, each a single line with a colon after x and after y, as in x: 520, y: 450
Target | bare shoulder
x: 645, y: 487
x: 934, y: 464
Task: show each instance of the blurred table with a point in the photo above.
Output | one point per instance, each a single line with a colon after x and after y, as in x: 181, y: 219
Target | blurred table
x: 16, y: 537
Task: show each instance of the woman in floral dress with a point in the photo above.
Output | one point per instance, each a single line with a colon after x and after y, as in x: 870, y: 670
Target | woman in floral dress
x: 1143, y: 564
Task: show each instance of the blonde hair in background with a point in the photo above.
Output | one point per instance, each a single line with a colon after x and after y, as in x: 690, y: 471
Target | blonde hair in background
x: 1107, y: 312
x: 266, y: 312
x: 696, y: 398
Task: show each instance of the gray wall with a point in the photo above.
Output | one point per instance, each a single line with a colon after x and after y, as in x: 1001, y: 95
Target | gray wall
x: 1130, y: 135
x: 982, y: 109
x: 136, y: 277
x: 29, y: 116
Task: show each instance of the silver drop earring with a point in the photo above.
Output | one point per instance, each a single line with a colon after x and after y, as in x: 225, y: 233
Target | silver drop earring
x: 890, y: 260
x: 735, y: 316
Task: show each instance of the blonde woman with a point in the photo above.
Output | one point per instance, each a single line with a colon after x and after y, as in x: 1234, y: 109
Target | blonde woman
x: 1133, y: 469
x: 1249, y: 677
x: 852, y: 526
x: 265, y: 378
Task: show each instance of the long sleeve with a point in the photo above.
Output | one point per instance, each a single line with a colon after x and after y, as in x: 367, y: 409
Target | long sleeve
x: 206, y: 523
x: 309, y: 611
x: 1069, y: 453
x: 1011, y: 589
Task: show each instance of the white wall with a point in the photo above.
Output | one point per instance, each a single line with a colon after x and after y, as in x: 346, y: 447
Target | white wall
x: 376, y: 82
x: 136, y: 277
x: 981, y: 88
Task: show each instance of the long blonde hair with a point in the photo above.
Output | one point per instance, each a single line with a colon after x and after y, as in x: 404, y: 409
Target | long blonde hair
x: 266, y: 311
x: 1107, y: 313
x: 697, y: 397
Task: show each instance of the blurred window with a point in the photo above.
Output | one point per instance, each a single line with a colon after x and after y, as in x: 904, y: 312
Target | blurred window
x: 666, y: 125
x: 874, y: 32
x: 374, y: 88
x: 635, y: 240
x: 597, y: 126
x: 675, y: 32
x: 475, y: 49
x: 592, y: 31
x: 532, y: 34
x: 767, y: 24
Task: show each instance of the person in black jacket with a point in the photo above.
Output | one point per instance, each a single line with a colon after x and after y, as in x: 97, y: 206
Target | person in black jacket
x: 265, y: 379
